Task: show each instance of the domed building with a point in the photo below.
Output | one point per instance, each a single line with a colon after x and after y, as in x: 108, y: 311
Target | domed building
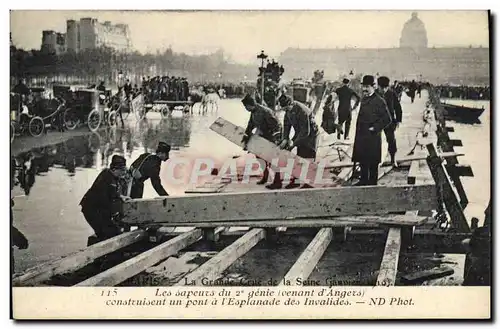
x: 414, y: 34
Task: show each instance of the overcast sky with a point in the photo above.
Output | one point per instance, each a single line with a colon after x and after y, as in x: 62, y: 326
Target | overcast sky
x: 242, y: 34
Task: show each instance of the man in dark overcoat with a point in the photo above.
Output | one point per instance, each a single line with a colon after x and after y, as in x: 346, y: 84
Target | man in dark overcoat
x: 345, y: 95
x: 394, y: 107
x: 373, y: 117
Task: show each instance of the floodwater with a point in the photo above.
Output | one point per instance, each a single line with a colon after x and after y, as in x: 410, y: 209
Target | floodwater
x: 46, y: 210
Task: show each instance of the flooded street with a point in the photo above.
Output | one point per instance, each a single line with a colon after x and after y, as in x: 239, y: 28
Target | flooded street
x: 47, y: 209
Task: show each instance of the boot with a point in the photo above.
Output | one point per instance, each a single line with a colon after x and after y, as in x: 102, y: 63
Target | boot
x: 393, y: 161
x: 292, y: 184
x: 265, y: 177
x: 276, y: 184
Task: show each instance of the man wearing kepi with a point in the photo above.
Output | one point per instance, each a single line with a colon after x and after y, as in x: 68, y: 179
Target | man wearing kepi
x: 373, y: 117
x: 268, y: 126
x: 345, y: 95
x: 394, y: 107
x: 147, y: 166
x: 100, y: 202
x: 305, y: 138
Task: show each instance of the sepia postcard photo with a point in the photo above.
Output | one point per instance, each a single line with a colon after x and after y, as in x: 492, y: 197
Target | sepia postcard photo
x: 250, y: 164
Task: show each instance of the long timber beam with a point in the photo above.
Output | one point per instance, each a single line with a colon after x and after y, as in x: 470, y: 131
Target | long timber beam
x: 358, y: 221
x: 282, y: 204
x: 79, y: 259
x: 137, y: 264
x: 216, y: 265
x: 307, y: 261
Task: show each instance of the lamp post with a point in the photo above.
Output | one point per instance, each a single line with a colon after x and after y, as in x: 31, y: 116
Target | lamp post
x: 262, y: 56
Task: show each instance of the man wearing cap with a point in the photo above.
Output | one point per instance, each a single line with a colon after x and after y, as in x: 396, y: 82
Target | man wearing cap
x: 98, y: 204
x: 344, y: 96
x: 268, y: 126
x: 147, y: 166
x: 301, y: 118
x: 394, y: 107
x: 373, y: 117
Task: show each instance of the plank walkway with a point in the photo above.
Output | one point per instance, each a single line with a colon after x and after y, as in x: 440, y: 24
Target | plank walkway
x: 310, y: 261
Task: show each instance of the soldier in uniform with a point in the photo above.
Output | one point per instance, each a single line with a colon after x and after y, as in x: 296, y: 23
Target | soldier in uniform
x: 268, y: 126
x: 373, y: 117
x: 147, y: 166
x: 345, y: 95
x: 301, y: 118
x: 394, y: 107
x: 99, y: 203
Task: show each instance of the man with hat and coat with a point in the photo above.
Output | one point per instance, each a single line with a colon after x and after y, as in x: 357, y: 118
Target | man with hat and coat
x: 147, y: 166
x: 100, y: 202
x: 305, y: 138
x: 373, y: 117
x: 268, y: 126
x: 345, y: 95
x: 394, y: 107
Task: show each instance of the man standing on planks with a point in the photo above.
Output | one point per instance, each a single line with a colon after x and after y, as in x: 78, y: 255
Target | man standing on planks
x: 345, y: 94
x: 147, y: 166
x: 100, y: 201
x: 305, y: 138
x: 373, y: 117
x: 394, y: 107
x: 268, y: 126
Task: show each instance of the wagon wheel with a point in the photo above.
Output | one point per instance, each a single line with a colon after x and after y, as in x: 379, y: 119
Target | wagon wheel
x: 94, y: 120
x: 12, y: 131
x: 36, y: 126
x: 112, y: 118
x: 164, y: 111
x: 71, y: 119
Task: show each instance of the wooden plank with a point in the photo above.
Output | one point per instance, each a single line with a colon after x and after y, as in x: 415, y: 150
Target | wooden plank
x: 456, y: 142
x: 301, y: 203
x: 264, y: 149
x: 460, y: 170
x: 79, y: 259
x: 408, y: 158
x: 419, y: 277
x: 136, y: 265
x: 389, y: 266
x: 307, y: 261
x: 414, y: 172
x: 370, y: 221
x: 451, y: 199
x: 216, y: 265
x: 173, y: 102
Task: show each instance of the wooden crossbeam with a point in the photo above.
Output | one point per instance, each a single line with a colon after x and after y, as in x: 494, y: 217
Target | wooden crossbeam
x: 307, y: 261
x: 302, y: 203
x: 136, y: 265
x: 451, y: 199
x: 389, y: 265
x: 361, y: 221
x: 404, y: 159
x: 216, y: 265
x: 264, y: 149
x: 79, y: 259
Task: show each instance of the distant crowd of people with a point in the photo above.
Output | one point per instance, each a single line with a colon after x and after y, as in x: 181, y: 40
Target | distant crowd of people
x: 465, y: 92
x: 165, y: 88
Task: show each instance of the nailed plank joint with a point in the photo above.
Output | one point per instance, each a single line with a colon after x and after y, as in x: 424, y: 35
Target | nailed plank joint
x: 136, y: 265
x: 79, y: 259
x: 307, y: 261
x: 304, y: 203
x: 216, y: 265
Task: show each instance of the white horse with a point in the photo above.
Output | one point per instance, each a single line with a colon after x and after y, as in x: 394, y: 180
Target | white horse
x: 210, y: 100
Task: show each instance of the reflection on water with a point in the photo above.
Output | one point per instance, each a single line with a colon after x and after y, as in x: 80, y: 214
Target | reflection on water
x: 51, y: 180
